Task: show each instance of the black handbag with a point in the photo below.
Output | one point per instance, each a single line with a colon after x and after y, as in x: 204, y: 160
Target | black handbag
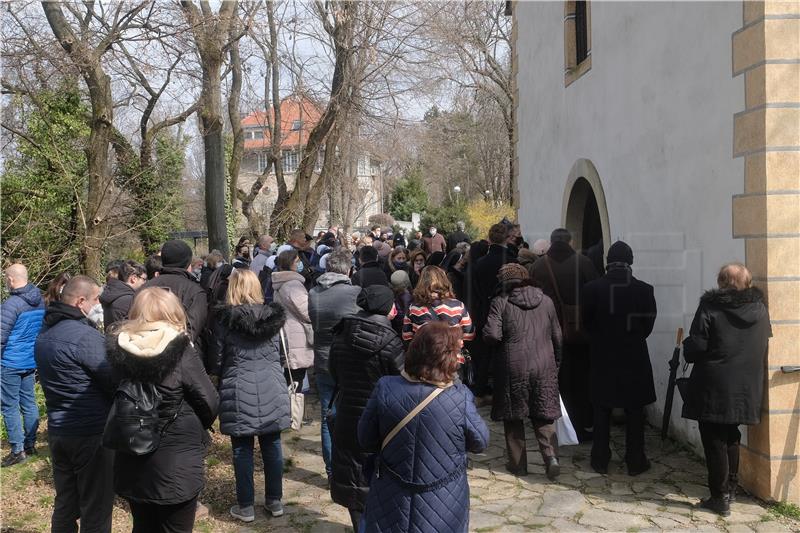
x: 466, y: 372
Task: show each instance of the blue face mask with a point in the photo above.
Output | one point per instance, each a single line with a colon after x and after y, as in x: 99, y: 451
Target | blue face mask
x: 400, y: 264
x: 300, y: 266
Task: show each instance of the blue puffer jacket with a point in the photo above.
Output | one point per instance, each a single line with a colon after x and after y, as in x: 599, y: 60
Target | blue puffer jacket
x: 430, y: 450
x: 22, y: 316
x: 74, y: 372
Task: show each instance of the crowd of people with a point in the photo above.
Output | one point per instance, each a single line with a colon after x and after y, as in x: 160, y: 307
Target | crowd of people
x: 402, y: 339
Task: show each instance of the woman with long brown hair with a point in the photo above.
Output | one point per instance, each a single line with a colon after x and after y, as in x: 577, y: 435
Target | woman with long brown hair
x: 434, y: 300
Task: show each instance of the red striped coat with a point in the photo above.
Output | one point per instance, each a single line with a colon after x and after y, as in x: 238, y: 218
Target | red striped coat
x: 451, y: 311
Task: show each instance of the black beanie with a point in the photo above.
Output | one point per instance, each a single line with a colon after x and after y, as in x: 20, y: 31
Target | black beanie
x: 620, y: 253
x: 376, y: 299
x: 176, y: 253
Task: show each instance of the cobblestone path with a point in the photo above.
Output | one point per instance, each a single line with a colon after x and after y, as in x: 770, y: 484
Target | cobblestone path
x: 662, y: 499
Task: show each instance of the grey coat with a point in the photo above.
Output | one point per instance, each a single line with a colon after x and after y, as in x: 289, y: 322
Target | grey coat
x: 290, y: 292
x: 332, y: 299
x: 254, y: 399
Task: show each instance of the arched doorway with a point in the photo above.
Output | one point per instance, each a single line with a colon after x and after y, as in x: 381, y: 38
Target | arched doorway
x: 584, y: 212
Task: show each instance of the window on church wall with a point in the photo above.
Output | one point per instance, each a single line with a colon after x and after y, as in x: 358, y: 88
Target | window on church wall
x: 577, y: 40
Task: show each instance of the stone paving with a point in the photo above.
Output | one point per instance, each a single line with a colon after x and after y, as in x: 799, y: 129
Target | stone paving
x: 662, y: 499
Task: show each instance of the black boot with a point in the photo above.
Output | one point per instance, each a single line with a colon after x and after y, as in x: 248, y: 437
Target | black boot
x: 733, y: 484
x: 719, y: 505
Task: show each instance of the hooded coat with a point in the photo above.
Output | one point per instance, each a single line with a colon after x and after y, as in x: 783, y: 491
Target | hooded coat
x: 290, y: 292
x: 175, y: 472
x: 253, y: 396
x: 619, y: 312
x: 332, y: 299
x: 524, y: 321
x: 364, y: 349
x: 728, y: 345
x: 116, y: 300
x: 194, y: 298
x: 22, y: 314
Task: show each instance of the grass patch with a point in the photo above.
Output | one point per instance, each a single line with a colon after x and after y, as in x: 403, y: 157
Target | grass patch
x: 633, y: 530
x: 288, y: 465
x: 203, y: 526
x: 789, y: 510
x: 212, y: 461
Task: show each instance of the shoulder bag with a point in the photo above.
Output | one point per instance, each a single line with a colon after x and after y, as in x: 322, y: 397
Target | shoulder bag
x: 297, y: 402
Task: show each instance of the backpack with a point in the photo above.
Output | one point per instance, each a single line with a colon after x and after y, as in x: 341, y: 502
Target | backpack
x: 133, y: 424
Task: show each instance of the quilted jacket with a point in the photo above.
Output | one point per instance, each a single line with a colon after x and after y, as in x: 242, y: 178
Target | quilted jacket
x: 332, y: 299
x: 420, y: 484
x: 254, y: 399
x: 364, y: 349
x: 22, y: 314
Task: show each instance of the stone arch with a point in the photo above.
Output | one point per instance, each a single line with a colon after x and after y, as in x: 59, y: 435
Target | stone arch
x: 583, y: 195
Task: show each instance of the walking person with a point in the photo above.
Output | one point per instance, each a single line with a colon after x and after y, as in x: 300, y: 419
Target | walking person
x: 254, y: 402
x: 77, y: 382
x: 420, y: 479
x: 619, y: 312
x: 332, y: 299
x: 153, y: 346
x: 365, y: 349
x: 290, y: 292
x: 728, y: 345
x: 21, y: 316
x: 523, y: 320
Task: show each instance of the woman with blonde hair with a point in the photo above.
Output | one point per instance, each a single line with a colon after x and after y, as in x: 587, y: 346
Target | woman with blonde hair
x: 433, y: 300
x: 153, y: 346
x: 254, y: 401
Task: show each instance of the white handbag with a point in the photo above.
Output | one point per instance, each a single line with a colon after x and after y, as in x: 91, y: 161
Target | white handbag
x: 564, y: 430
x: 297, y: 401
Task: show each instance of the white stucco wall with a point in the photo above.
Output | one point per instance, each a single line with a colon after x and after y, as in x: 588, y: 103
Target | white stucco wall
x: 655, y: 117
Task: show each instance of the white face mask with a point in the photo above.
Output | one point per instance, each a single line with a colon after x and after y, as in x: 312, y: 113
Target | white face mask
x: 433, y: 231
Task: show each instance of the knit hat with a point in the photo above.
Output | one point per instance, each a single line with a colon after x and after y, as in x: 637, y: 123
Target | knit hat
x: 376, y: 299
x: 176, y: 253
x: 512, y: 271
x: 620, y: 253
x: 383, y: 249
x: 400, y: 280
x: 541, y: 246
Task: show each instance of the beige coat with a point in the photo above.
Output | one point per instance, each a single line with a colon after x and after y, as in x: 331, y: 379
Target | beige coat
x: 292, y: 295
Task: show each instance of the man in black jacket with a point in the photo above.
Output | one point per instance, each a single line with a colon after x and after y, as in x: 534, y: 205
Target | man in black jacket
x: 619, y: 312
x: 176, y: 259
x: 370, y: 272
x: 457, y: 236
x: 78, y: 387
x: 118, y: 293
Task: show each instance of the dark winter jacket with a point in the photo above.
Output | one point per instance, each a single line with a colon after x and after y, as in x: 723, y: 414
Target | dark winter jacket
x: 175, y: 472
x: 252, y: 390
x: 524, y: 320
x: 74, y: 372
x: 364, y: 349
x: 116, y: 300
x: 370, y: 273
x: 430, y: 450
x: 456, y: 237
x: 728, y: 346
x: 484, y: 281
x: 619, y: 312
x: 22, y: 314
x: 332, y: 299
x: 184, y: 285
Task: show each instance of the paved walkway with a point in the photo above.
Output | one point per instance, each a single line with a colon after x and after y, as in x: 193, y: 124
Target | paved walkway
x: 662, y: 499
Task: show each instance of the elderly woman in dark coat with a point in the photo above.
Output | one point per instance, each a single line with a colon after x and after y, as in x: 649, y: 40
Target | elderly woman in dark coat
x: 365, y: 348
x: 728, y: 346
x: 524, y: 321
x: 420, y: 481
x: 619, y: 312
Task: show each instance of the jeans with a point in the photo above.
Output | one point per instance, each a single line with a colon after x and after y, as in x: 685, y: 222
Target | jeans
x: 271, y: 454
x: 17, y: 396
x: 83, y: 476
x: 326, y: 387
x: 154, y: 518
x: 721, y: 447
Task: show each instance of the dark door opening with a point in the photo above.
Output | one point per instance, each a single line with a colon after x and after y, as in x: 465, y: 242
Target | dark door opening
x: 583, y: 220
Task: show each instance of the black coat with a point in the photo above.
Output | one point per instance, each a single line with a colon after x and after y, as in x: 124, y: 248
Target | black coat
x: 365, y: 348
x: 571, y: 271
x: 370, y: 273
x: 194, y: 298
x: 253, y: 396
x: 619, y: 312
x: 175, y: 472
x: 524, y: 321
x: 484, y: 282
x: 116, y: 300
x: 728, y: 345
x: 456, y: 237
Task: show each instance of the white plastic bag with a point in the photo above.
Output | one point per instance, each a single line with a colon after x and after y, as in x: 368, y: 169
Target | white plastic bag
x: 564, y: 430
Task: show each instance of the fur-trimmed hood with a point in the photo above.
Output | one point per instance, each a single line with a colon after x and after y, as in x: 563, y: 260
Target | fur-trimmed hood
x: 254, y: 320
x: 747, y: 305
x: 147, y: 368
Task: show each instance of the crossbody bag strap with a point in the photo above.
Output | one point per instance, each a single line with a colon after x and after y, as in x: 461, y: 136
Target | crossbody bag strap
x: 414, y: 412
x: 553, y: 280
x: 285, y: 348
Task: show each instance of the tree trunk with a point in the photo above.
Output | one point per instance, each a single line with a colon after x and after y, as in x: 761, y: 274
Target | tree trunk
x: 236, y: 124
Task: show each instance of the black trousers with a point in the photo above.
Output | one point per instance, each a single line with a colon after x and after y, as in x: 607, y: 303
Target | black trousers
x: 154, y: 518
x: 481, y: 354
x: 635, y: 457
x: 573, y: 382
x: 355, y: 518
x: 83, y: 475
x: 721, y: 448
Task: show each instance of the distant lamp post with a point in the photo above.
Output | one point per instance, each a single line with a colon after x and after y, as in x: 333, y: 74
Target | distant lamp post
x: 457, y: 190
x: 488, y: 195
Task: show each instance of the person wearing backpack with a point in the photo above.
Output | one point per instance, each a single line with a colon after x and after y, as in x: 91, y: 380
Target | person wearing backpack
x: 153, y: 351
x: 78, y: 386
x: 254, y: 400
